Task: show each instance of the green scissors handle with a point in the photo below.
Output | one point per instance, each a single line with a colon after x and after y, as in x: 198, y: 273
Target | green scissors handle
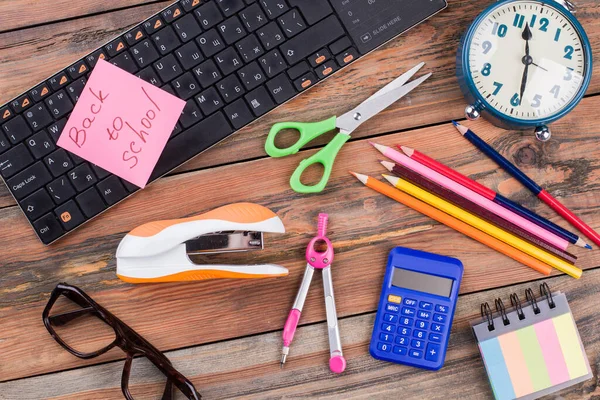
x: 308, y: 131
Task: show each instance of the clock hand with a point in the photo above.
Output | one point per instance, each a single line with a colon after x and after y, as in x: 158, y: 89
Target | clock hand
x: 527, y: 60
x: 539, y: 66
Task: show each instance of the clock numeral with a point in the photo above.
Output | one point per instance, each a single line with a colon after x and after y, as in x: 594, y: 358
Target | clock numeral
x: 533, y: 19
x: 487, y: 46
x: 568, y: 74
x: 498, y: 87
x: 557, y: 35
x: 515, y: 101
x: 499, y: 29
x: 519, y: 20
x: 487, y: 69
x: 569, y: 52
x: 537, y: 101
x: 555, y: 91
x: 544, y: 24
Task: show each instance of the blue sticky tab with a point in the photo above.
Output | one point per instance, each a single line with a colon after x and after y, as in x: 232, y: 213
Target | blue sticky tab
x: 496, y: 369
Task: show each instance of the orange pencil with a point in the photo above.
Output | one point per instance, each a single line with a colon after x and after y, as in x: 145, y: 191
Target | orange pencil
x: 454, y: 223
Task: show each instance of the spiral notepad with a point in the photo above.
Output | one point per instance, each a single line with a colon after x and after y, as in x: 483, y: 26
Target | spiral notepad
x: 533, y: 350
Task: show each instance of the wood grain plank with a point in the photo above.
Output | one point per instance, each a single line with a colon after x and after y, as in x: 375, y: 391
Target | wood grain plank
x: 249, y: 367
x: 435, y: 42
x: 364, y: 226
x: 20, y: 14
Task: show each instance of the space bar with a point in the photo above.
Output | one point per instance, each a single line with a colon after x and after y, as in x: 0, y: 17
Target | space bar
x: 191, y: 142
x: 312, y: 39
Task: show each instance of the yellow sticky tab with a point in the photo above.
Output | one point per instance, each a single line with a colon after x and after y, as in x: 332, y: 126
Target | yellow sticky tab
x: 394, y: 299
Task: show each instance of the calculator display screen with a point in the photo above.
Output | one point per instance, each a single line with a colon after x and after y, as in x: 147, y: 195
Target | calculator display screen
x: 420, y: 282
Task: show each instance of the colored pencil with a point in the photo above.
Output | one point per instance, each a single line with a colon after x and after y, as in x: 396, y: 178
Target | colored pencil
x: 454, y: 223
x: 529, y: 183
x: 484, y: 226
x: 473, y: 208
x: 474, y: 197
x: 495, y: 197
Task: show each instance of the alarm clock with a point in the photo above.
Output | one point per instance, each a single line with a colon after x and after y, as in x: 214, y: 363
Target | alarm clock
x: 524, y: 64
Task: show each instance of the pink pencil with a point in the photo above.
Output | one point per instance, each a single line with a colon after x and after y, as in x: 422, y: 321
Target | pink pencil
x: 472, y: 196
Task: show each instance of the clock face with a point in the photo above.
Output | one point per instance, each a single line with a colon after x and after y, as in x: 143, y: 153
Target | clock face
x: 522, y: 86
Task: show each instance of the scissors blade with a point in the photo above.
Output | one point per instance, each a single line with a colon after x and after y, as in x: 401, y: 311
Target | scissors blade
x: 396, y: 83
x: 348, y: 122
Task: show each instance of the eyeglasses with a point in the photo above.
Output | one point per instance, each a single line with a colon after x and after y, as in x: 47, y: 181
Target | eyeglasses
x: 86, y: 330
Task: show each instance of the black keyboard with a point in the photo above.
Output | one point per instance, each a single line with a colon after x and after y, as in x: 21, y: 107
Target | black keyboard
x: 231, y: 60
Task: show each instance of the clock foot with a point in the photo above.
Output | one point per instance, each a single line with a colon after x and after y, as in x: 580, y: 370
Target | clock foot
x: 472, y: 113
x: 542, y: 133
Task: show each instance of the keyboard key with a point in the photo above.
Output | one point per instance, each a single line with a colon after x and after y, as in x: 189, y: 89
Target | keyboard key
x: 100, y: 173
x: 326, y: 69
x: 4, y: 143
x: 406, y: 321
x: 228, y: 61
x: 291, y: 23
x: 437, y: 328
x: 189, y: 5
x: 16, y: 129
x: 130, y: 187
x: 75, y: 89
x: 168, y: 68
x: 166, y: 40
x: 134, y: 36
x: 312, y: 10
x: 390, y: 318
x: 410, y: 302
x: 209, y: 101
x: 186, y: 86
x: 58, y: 162
x: 29, y: 180
x: 59, y: 80
x: 281, y: 89
x: 230, y: 88
x: 270, y: 36
x: 112, y: 190
x: 38, y: 117
x: 421, y: 324
x: 423, y: 314
x: 190, y: 142
x: 210, y: 42
x: 171, y: 13
x: 253, y: 17
x: 232, y: 30
x: 191, y: 114
x: 189, y: 55
x: 249, y: 48
x: 150, y: 76
x: 402, y: 351
x: 252, y: 76
x: 408, y: 311
x: 347, y: 57
x: 402, y: 340
x: 153, y: 24
x: 272, y: 63
x: 433, y: 352
x: 37, y: 204
x: 340, y: 45
x: 418, y: 344
x: 384, y: 347
x: 312, y: 39
x: 21, y: 104
x: 15, y: 160
x: 425, y: 305
x: 37, y: 94
x: 82, y: 177
x: 230, y: 7
x: 90, y: 202
x: 404, y: 331
x: 144, y: 53
x: 48, y: 228
x: 93, y: 58
x: 260, y: 102
x: 305, y: 81
x: 115, y: 47
x: 60, y: 190
x: 415, y: 353
x: 274, y: 8
x: 238, y: 114
x: 5, y: 113
x: 69, y: 215
x: 298, y: 70
x: 56, y: 129
x: 419, y: 334
x: 392, y: 308
x: 388, y: 328
x: 176, y: 131
x: 78, y: 69
x: 386, y: 337
x: 59, y: 104
x: 187, y: 28
x: 40, y: 145
x: 125, y: 62
x: 439, y: 318
x: 319, y: 57
x: 435, y: 337
x: 441, y: 309
x: 207, y: 73
x: 208, y: 15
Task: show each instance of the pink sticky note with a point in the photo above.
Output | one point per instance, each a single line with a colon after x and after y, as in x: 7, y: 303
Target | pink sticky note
x: 121, y: 123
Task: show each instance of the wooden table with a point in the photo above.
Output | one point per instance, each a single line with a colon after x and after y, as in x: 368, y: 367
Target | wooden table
x: 225, y: 335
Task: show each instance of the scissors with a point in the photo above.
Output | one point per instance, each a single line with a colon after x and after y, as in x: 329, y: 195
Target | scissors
x: 346, y: 124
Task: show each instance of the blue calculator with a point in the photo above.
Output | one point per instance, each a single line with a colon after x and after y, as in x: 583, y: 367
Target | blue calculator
x: 416, y: 308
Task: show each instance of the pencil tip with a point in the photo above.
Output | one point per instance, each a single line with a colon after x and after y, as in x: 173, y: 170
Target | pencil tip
x: 391, y: 179
x: 409, y: 151
x: 388, y: 165
x: 360, y: 177
x: 381, y: 148
x: 455, y: 123
x: 352, y: 173
x: 587, y: 246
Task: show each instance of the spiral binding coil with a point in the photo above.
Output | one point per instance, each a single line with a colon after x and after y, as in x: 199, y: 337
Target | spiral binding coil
x: 488, y: 315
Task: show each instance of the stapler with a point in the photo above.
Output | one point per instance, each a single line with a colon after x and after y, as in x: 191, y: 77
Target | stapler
x: 159, y: 251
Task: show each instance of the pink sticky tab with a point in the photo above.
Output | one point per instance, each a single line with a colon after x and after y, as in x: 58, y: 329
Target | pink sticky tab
x: 121, y: 123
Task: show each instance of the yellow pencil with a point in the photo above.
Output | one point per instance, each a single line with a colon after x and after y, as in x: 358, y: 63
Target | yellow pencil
x: 483, y: 226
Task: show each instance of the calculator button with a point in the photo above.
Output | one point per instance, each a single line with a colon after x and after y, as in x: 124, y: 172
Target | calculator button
x: 424, y: 314
x: 439, y: 318
x: 387, y: 327
x: 402, y: 351
x: 390, y: 318
x: 408, y: 311
x: 384, y: 347
x: 405, y: 321
x: 418, y: 344
x: 392, y: 308
x: 415, y: 353
x: 421, y: 324
x: 402, y: 340
x: 410, y: 302
x: 433, y: 352
x: 437, y: 328
x: 435, y: 337
x: 442, y: 309
x: 404, y: 331
x: 394, y: 299
x: 426, y: 306
x: 384, y: 337
x: 419, y: 334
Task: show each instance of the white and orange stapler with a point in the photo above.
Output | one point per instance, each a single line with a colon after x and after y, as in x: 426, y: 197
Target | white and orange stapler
x: 159, y: 251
